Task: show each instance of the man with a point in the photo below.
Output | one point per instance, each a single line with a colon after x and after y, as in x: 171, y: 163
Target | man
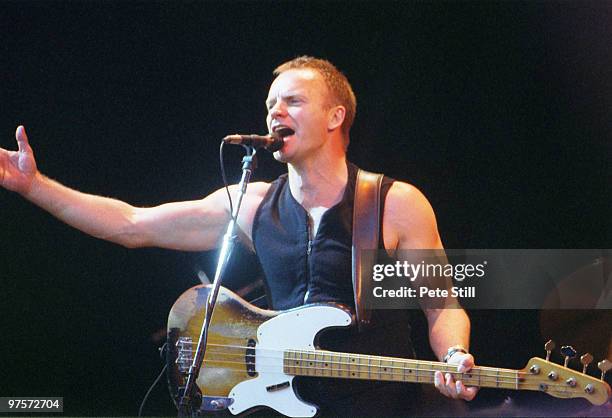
x: 313, y: 99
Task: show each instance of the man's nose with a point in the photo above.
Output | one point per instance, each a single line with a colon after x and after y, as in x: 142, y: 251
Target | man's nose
x: 279, y: 109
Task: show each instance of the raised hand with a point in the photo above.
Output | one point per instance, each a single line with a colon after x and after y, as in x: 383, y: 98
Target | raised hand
x: 18, y: 168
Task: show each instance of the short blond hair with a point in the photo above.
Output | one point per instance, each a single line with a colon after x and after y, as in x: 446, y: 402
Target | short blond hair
x: 336, y: 82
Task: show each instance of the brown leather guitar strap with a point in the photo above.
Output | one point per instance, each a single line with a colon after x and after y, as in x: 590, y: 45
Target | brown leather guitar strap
x: 366, y: 232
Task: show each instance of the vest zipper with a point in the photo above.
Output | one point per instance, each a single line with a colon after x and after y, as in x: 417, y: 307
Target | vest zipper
x: 308, y: 251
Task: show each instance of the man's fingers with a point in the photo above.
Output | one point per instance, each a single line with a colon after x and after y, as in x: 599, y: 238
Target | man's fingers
x: 22, y: 139
x: 469, y: 393
x: 466, y: 393
x: 451, y: 387
x: 460, y: 389
x: 464, y: 362
x: 437, y: 379
x: 439, y: 383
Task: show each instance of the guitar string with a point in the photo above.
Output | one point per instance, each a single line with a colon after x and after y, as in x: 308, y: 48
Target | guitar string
x: 494, y: 370
x: 339, y: 362
x: 242, y: 368
x: 482, y: 378
x: 319, y: 352
x: 426, y: 378
x: 342, y: 373
x: 477, y: 374
x: 334, y: 353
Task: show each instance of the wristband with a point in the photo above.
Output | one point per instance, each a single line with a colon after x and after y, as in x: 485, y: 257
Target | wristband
x: 452, y: 351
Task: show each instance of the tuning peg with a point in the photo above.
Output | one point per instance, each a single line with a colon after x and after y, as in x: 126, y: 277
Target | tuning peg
x: 549, y: 347
x: 604, y: 366
x: 585, y: 359
x: 568, y: 352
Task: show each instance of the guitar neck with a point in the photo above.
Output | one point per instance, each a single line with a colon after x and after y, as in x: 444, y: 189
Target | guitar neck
x: 321, y: 363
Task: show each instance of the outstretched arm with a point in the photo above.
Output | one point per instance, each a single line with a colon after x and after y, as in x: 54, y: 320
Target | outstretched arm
x: 192, y: 225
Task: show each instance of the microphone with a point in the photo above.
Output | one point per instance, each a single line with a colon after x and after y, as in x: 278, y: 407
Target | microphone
x: 271, y: 142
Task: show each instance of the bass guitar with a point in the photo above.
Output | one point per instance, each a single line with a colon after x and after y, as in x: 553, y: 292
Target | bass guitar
x: 253, y: 356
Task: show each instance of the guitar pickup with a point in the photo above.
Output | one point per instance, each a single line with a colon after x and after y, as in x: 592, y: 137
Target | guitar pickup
x: 277, y: 387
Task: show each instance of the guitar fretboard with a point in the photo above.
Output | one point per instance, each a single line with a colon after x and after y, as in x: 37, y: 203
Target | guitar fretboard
x: 321, y: 363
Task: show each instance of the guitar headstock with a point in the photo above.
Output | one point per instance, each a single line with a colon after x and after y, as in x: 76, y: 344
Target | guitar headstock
x: 562, y: 382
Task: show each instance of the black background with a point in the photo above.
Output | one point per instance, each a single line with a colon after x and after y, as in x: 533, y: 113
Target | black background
x: 498, y: 111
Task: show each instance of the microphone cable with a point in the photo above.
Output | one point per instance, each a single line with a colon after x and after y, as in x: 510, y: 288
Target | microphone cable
x: 162, y: 350
x: 222, y: 163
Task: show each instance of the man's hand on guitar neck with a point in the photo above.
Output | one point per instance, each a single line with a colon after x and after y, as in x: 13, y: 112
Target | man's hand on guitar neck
x: 447, y: 385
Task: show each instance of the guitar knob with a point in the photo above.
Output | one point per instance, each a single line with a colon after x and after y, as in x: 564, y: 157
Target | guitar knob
x: 553, y: 376
x: 604, y: 366
x: 586, y: 359
x: 571, y: 382
x: 589, y: 388
x: 568, y: 352
x: 549, y: 347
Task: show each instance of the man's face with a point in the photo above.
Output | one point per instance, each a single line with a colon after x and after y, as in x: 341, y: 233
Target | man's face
x: 298, y: 99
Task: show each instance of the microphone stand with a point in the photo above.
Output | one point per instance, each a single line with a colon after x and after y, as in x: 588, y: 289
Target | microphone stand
x: 229, y: 240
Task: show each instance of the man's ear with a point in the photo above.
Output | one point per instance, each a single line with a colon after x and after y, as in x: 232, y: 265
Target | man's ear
x: 336, y: 117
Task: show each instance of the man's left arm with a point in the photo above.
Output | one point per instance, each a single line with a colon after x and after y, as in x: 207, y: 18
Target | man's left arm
x: 449, y: 335
x: 409, y: 223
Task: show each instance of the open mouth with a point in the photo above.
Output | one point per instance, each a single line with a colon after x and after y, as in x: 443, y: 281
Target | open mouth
x: 283, y: 131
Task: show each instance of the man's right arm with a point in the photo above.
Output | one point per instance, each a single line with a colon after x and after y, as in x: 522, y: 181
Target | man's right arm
x: 192, y: 225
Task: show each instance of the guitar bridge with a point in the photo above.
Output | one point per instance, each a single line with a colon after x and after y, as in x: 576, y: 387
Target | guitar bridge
x: 249, y: 358
x: 184, y: 357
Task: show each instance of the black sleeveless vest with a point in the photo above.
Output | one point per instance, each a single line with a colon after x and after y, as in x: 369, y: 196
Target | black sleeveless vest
x: 299, y: 267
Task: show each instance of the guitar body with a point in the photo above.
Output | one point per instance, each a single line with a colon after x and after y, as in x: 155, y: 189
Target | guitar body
x: 243, y: 341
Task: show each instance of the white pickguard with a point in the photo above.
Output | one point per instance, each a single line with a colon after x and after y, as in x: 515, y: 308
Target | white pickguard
x: 292, y: 330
